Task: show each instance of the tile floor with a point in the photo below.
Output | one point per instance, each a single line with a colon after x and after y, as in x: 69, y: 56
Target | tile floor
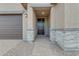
x: 40, y: 47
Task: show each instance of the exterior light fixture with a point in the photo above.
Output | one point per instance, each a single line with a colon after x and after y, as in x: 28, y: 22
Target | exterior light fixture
x: 43, y: 13
x: 25, y: 15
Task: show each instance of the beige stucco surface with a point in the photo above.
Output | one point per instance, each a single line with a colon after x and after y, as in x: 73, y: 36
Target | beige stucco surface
x: 11, y: 7
x: 71, y: 15
x: 57, y: 16
x: 64, y: 16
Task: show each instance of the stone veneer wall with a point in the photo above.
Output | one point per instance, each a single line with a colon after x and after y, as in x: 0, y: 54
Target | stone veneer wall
x: 68, y: 39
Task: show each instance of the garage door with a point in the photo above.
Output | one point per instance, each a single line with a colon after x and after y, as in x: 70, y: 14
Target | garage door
x: 11, y: 26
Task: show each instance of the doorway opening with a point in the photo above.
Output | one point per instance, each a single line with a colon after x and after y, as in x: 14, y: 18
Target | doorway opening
x: 42, y: 27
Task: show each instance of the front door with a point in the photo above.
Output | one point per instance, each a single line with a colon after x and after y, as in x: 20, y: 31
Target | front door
x: 40, y: 26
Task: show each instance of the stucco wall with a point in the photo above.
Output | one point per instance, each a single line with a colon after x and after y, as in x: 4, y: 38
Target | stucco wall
x: 72, y: 15
x: 57, y: 16
x: 6, y: 8
x: 30, y: 17
x: 34, y: 24
x: 51, y: 17
x: 65, y: 16
x: 11, y: 7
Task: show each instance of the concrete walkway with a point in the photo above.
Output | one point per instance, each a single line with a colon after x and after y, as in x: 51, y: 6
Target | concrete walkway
x: 41, y: 47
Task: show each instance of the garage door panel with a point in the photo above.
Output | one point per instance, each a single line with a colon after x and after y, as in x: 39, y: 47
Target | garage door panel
x: 10, y: 20
x: 10, y: 26
x: 10, y: 31
x: 10, y: 36
x: 5, y: 27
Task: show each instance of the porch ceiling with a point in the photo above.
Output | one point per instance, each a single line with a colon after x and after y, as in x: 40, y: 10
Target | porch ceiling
x: 42, y: 11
